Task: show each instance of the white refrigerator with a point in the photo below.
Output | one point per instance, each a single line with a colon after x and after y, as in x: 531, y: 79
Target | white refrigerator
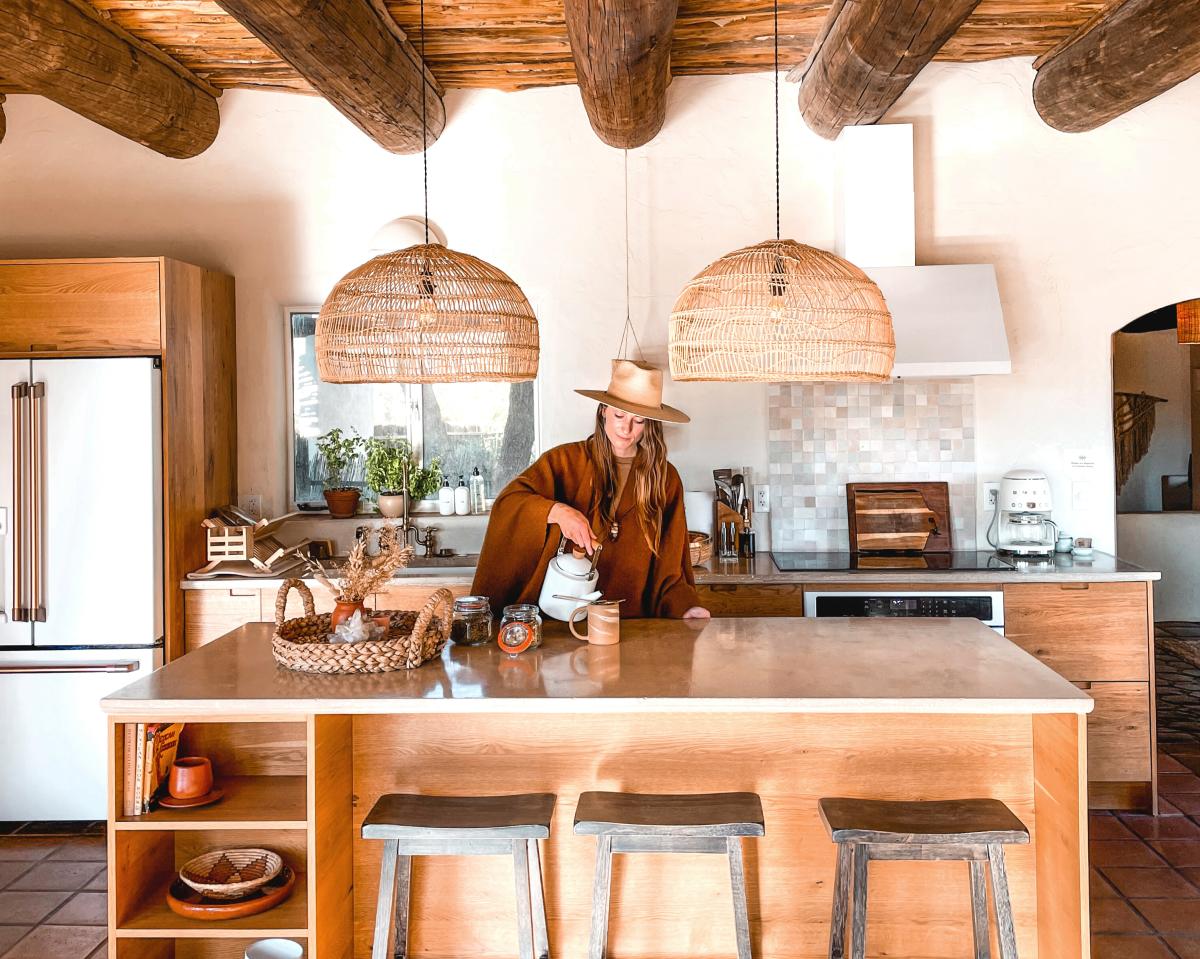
x: 81, y: 525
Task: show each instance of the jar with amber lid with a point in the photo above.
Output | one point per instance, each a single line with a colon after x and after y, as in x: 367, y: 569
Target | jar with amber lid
x: 520, y: 628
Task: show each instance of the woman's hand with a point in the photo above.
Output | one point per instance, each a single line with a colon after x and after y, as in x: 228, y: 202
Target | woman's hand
x: 574, y: 526
x: 697, y: 612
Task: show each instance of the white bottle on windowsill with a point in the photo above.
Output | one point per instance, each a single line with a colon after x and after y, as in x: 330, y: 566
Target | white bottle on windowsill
x: 478, y: 492
x: 462, y: 498
x: 446, y: 498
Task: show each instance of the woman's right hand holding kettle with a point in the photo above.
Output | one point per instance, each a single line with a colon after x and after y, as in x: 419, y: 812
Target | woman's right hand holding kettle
x: 574, y: 526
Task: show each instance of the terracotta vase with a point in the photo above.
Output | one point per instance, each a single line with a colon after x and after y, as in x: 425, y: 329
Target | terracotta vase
x: 342, y: 610
x: 342, y: 503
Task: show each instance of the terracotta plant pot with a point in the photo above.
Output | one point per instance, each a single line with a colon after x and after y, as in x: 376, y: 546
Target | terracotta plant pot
x: 391, y: 505
x: 342, y: 503
x: 342, y: 610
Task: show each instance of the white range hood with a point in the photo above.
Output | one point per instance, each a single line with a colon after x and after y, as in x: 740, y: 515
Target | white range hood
x: 947, y: 319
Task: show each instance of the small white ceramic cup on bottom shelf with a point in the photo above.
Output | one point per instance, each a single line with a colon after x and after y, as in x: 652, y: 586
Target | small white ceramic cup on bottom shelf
x: 275, y: 949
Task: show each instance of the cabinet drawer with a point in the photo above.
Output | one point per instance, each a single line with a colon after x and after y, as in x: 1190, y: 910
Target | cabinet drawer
x: 414, y: 597
x: 725, y: 601
x: 211, y: 613
x: 1118, y: 732
x: 69, y: 308
x: 1084, y: 634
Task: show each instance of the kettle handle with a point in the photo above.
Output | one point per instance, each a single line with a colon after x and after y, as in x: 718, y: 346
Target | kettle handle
x: 562, y: 548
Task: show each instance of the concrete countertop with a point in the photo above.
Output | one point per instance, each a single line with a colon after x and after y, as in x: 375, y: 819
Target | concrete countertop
x: 722, y: 665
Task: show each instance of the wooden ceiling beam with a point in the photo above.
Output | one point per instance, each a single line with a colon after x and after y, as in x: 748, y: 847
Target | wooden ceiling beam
x: 622, y: 54
x: 867, y: 54
x: 354, y: 55
x: 1127, y: 55
x: 65, y: 51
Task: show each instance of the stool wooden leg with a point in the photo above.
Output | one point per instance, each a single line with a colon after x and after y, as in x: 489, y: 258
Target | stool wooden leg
x: 541, y: 936
x: 858, y: 936
x: 520, y: 851
x: 979, y: 910
x: 1004, y: 917
x: 391, y: 938
x: 737, y: 884
x: 841, y: 899
x: 600, y: 893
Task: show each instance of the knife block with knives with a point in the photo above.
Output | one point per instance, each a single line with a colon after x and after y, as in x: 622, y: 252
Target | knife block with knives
x: 732, y: 534
x: 899, y: 517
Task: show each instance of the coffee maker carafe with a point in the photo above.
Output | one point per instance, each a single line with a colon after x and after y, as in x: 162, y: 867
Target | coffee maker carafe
x: 1023, y: 515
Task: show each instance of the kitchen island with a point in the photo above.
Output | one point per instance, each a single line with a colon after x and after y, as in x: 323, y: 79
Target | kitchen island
x: 794, y: 709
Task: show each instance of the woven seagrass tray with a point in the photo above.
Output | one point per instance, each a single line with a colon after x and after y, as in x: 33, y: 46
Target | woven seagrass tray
x: 415, y: 637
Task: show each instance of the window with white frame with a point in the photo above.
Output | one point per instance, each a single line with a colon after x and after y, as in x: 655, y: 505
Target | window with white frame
x: 462, y: 425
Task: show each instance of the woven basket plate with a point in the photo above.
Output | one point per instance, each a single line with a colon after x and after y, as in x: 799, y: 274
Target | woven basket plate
x: 231, y: 873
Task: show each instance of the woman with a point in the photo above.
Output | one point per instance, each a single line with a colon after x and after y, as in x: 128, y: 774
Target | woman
x: 614, y: 489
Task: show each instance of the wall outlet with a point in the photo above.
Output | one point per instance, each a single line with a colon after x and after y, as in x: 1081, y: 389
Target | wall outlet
x: 762, y: 498
x: 991, y: 495
x: 251, y: 504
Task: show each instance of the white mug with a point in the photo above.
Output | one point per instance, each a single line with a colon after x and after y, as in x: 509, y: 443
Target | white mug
x: 275, y: 949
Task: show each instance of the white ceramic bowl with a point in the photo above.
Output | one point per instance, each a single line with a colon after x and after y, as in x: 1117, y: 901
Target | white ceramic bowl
x: 275, y: 949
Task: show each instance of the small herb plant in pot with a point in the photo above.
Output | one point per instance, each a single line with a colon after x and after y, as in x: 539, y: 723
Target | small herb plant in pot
x: 388, y: 461
x: 338, y: 449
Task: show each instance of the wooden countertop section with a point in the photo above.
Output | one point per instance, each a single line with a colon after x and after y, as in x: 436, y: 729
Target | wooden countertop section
x: 719, y: 666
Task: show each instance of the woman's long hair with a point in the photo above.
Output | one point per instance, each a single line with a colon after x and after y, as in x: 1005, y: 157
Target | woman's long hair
x: 648, y: 476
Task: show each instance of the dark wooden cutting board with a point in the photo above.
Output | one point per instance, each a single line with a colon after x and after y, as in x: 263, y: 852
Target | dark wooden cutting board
x: 895, y: 513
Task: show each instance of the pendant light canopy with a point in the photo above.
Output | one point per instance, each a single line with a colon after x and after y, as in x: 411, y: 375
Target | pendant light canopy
x: 1187, y: 317
x: 781, y: 311
x: 426, y: 314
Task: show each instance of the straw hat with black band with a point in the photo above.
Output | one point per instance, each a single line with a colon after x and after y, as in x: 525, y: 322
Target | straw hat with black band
x: 636, y: 388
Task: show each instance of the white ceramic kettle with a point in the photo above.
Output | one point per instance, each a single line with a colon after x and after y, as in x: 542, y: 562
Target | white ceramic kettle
x: 570, y: 583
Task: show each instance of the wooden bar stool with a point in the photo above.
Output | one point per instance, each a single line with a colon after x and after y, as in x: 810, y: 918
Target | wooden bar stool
x: 632, y: 822
x: 414, y: 825
x: 973, y: 830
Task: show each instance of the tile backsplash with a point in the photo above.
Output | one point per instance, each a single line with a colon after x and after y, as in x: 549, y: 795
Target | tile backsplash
x: 825, y: 435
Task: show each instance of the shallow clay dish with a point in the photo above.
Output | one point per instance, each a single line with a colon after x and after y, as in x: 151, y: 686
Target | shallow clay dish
x: 185, y: 901
x: 170, y: 802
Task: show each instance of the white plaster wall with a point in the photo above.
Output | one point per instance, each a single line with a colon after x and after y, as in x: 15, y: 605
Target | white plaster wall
x: 1166, y: 542
x: 1157, y: 364
x: 1087, y: 232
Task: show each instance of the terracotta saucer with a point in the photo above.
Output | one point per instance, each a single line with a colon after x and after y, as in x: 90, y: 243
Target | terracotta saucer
x: 185, y: 901
x: 170, y: 802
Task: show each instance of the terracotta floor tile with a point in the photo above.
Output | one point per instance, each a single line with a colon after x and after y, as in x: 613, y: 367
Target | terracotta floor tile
x: 1178, y: 852
x: 1099, y: 887
x: 82, y: 849
x: 27, y: 849
x: 1172, y: 784
x: 1129, y: 947
x: 1189, y: 804
x: 11, y: 870
x: 1105, y: 827
x: 61, y: 942
x: 1116, y: 915
x: 1168, y: 808
x: 1125, y: 853
x: 1169, y: 764
x: 101, y: 951
x: 11, y: 935
x: 1188, y: 948
x: 1150, y: 883
x: 1159, y: 827
x: 89, y: 909
x: 100, y: 882
x: 30, y: 907
x: 1171, y: 915
x: 58, y: 875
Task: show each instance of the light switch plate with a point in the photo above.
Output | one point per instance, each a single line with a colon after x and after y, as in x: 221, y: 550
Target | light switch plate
x: 251, y: 503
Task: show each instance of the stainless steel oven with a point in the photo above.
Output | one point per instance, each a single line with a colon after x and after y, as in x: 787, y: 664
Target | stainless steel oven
x: 984, y: 605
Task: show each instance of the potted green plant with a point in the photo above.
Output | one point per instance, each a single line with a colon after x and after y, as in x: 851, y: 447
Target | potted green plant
x: 338, y: 450
x: 388, y: 462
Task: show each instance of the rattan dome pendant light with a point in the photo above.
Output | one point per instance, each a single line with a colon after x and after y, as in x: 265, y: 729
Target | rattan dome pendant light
x: 781, y: 311
x: 426, y: 314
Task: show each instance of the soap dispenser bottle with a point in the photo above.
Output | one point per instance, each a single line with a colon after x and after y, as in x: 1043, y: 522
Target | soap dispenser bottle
x: 478, y: 492
x: 462, y: 497
x: 446, y: 498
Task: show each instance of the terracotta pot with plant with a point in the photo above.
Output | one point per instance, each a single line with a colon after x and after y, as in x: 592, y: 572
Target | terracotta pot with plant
x: 393, y: 473
x: 361, y: 575
x: 338, y: 451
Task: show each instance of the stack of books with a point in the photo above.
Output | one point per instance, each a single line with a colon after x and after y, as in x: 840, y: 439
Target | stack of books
x: 150, y: 750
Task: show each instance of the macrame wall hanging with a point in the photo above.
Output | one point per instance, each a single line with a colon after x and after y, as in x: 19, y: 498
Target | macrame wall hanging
x: 1133, y: 425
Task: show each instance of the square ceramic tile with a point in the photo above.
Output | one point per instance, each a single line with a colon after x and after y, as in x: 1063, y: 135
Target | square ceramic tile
x: 27, y: 848
x: 58, y: 875
x: 82, y: 909
x: 10, y: 870
x: 1123, y: 853
x: 1129, y: 947
x: 30, y: 907
x: 11, y: 935
x: 82, y: 849
x: 61, y: 942
x: 1150, y: 883
x: 100, y: 881
x: 1170, y: 915
x: 1116, y: 915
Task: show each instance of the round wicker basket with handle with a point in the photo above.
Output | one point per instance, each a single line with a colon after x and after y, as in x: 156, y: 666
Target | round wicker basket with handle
x: 414, y: 638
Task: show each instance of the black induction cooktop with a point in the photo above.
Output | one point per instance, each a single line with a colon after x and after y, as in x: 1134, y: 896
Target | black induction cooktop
x: 956, y: 560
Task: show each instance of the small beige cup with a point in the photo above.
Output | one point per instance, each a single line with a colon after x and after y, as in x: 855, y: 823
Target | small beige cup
x: 603, y: 622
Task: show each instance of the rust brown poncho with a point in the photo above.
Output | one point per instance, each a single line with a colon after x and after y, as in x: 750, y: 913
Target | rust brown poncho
x: 519, y: 545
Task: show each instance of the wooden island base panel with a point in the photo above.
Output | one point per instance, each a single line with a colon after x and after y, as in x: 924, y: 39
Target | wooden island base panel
x: 794, y: 710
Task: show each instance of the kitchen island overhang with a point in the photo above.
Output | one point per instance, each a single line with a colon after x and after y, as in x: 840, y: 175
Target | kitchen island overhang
x: 791, y: 709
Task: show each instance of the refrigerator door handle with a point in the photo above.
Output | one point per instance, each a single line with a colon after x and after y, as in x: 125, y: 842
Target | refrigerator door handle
x: 37, y: 492
x: 20, y: 393
x: 123, y: 666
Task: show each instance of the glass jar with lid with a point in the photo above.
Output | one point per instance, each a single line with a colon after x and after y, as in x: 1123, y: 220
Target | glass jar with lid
x: 472, y: 622
x: 520, y: 628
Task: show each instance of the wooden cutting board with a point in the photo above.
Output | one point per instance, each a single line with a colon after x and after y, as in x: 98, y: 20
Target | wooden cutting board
x: 899, y: 516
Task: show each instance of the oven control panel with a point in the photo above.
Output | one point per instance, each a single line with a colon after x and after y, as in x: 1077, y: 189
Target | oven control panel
x: 988, y: 607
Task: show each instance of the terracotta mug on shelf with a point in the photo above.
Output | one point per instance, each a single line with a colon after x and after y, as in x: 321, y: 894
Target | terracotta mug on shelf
x: 603, y: 622
x: 191, y: 777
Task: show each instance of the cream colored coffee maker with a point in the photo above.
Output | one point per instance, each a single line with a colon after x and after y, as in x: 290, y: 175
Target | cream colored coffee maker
x: 1022, y: 521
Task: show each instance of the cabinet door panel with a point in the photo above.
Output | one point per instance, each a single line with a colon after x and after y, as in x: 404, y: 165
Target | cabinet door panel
x: 1097, y: 633
x: 1119, y: 732
x: 724, y: 601
x: 415, y: 596
x: 211, y: 613
x: 96, y: 308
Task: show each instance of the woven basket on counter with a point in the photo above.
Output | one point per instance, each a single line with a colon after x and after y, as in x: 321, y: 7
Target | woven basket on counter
x: 700, y: 545
x: 414, y: 638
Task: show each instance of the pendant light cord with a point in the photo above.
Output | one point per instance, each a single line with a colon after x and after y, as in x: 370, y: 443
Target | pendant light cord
x: 628, y: 330
x: 777, y: 219
x: 425, y: 126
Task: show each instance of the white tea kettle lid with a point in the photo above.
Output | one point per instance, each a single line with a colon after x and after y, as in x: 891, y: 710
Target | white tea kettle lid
x: 579, y: 567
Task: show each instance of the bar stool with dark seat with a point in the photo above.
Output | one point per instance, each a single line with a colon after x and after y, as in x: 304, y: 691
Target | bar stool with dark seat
x: 973, y: 830
x: 633, y: 822
x: 413, y: 825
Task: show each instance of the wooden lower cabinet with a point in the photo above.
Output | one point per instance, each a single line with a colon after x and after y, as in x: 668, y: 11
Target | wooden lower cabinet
x: 750, y: 599
x: 1119, y: 732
